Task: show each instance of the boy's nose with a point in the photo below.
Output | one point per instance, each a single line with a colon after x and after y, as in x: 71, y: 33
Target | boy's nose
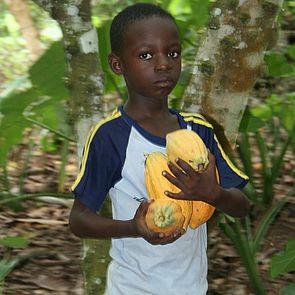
x: 162, y: 63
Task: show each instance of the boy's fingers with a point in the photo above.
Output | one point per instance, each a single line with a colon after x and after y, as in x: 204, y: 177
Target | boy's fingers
x: 174, y: 236
x: 177, y: 196
x: 183, y: 172
x: 171, y: 178
x: 144, y: 206
x: 178, y: 182
x: 175, y: 170
x: 185, y: 167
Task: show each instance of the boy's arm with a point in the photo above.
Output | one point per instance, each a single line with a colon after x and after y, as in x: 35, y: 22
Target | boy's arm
x: 86, y: 224
x: 232, y: 201
x: 204, y: 187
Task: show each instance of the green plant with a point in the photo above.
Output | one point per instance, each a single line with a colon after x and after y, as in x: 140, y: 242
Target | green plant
x: 7, y: 263
x: 271, y: 150
x: 39, y: 104
x: 248, y: 241
x: 284, y: 262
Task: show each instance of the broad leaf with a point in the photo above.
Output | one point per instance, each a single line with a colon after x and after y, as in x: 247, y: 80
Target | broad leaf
x: 288, y: 289
x: 262, y: 112
x: 14, y: 242
x: 6, y: 267
x: 278, y: 65
x: 291, y: 49
x: 193, y: 12
x: 284, y: 261
x: 13, y: 122
x: 48, y: 73
x: 249, y: 123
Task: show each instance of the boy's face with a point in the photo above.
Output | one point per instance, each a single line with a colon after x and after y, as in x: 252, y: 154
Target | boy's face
x: 150, y: 59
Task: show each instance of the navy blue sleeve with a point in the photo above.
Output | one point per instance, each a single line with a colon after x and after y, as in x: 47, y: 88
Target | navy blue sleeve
x: 100, y: 169
x: 230, y: 176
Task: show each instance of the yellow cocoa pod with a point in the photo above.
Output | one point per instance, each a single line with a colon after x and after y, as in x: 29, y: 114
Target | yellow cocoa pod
x: 202, y: 211
x: 164, y: 216
x: 188, y: 146
x: 157, y: 184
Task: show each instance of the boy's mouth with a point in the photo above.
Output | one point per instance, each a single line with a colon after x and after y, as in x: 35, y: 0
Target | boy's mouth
x: 163, y: 83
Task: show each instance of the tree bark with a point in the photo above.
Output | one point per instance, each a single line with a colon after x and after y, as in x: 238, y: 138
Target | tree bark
x: 84, y: 79
x: 21, y: 13
x: 229, y: 61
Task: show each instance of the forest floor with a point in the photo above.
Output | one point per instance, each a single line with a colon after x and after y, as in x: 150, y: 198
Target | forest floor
x: 51, y: 264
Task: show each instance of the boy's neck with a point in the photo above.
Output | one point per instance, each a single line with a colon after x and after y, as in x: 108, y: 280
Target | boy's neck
x: 145, y: 110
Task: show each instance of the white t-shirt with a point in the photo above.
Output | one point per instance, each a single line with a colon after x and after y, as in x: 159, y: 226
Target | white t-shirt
x: 113, y: 163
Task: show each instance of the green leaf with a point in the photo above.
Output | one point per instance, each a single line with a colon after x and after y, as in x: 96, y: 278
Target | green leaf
x: 262, y: 112
x: 48, y: 72
x: 51, y: 113
x: 288, y: 113
x: 200, y: 13
x: 6, y: 267
x: 225, y: 218
x: 14, y: 242
x: 291, y: 50
x: 278, y: 65
x: 104, y: 44
x: 265, y: 223
x: 112, y: 82
x: 284, y: 261
x: 13, y: 123
x: 288, y: 289
x: 194, y: 12
x: 249, y: 123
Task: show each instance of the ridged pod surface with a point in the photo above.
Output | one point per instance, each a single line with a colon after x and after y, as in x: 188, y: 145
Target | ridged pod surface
x: 157, y: 184
x: 202, y: 211
x: 187, y: 145
x: 164, y: 216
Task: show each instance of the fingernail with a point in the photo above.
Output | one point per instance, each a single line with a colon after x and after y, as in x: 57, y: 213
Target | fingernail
x: 164, y: 173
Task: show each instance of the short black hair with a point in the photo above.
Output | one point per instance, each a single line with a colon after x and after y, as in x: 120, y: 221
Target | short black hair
x: 129, y: 15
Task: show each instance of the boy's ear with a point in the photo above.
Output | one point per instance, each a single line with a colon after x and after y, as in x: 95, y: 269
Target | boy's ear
x: 115, y: 63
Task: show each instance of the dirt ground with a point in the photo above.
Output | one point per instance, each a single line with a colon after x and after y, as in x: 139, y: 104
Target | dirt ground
x: 51, y: 264
x: 53, y: 258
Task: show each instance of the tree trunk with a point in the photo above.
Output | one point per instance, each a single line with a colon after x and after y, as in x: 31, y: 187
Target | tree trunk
x: 83, y: 74
x: 21, y: 13
x: 229, y: 61
x: 85, y: 81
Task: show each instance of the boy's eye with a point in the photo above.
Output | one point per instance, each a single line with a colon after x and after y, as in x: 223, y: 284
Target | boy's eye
x: 145, y: 56
x: 173, y: 54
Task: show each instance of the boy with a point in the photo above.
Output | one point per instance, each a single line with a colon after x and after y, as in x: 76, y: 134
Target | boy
x: 146, y: 50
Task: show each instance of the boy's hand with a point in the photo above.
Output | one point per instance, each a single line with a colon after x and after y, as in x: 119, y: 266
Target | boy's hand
x: 150, y: 236
x: 194, y: 186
